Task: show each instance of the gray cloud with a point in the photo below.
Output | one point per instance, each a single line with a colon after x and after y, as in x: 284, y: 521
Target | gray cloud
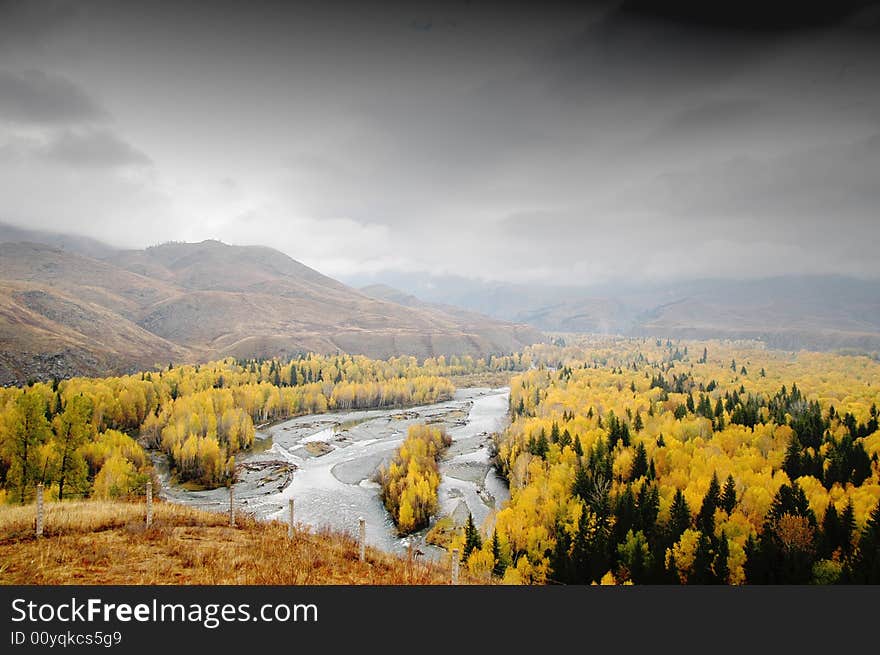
x: 93, y: 148
x: 34, y: 21
x: 713, y: 117
x: 33, y: 96
x: 829, y: 183
x: 517, y: 144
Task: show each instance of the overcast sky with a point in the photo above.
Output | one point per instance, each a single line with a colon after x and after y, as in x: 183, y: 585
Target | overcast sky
x: 563, y: 145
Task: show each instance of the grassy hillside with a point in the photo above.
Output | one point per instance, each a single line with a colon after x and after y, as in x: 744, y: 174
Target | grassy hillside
x: 95, y: 542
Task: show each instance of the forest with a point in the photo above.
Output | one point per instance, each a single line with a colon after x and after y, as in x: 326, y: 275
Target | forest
x: 646, y: 461
x: 410, y: 480
x: 90, y: 437
x: 630, y: 461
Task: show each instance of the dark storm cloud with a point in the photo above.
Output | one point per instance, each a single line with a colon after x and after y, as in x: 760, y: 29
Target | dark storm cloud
x: 833, y: 183
x: 765, y: 16
x: 93, y: 148
x: 33, y: 96
x: 511, y: 142
x: 33, y: 21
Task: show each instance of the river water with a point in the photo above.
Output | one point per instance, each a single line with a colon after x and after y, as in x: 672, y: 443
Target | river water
x: 336, y: 456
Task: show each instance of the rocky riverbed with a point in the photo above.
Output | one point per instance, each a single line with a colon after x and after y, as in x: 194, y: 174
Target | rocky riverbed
x: 327, y: 462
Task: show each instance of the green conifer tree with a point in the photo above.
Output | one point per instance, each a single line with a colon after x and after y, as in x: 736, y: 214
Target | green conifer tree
x: 721, y: 567
x: 728, y: 496
x: 472, y: 540
x: 866, y: 568
x: 640, y: 462
x: 679, y: 516
x: 706, y: 515
x: 498, y: 566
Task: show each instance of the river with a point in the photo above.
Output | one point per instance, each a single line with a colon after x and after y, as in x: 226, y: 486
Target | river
x: 326, y: 463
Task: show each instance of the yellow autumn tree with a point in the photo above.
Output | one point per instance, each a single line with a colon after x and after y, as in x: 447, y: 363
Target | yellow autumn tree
x: 409, y: 483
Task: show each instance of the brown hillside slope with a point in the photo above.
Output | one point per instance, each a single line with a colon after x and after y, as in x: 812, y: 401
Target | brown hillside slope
x: 45, y: 333
x: 81, y: 277
x: 207, y: 300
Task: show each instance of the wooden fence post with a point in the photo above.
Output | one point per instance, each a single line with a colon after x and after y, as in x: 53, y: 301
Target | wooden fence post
x: 455, y: 566
x: 290, y: 527
x: 149, y: 504
x: 231, y: 507
x: 40, y: 510
x: 362, y: 538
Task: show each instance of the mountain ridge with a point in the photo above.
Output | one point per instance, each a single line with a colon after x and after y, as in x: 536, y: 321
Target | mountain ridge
x: 63, y: 313
x: 814, y: 312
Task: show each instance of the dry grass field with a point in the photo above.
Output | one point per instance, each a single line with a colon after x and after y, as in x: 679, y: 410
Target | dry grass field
x: 94, y: 542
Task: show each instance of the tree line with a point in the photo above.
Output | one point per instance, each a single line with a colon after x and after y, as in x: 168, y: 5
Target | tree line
x: 87, y: 436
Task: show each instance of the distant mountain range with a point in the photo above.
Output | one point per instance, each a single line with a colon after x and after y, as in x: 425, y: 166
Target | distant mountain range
x: 789, y: 313
x: 74, y: 306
